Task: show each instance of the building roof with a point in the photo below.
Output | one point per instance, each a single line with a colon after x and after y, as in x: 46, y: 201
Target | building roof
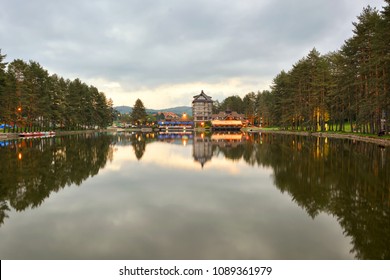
x: 170, y: 115
x: 228, y: 115
x: 202, y: 97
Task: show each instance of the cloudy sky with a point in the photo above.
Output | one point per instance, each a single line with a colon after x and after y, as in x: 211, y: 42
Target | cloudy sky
x: 166, y: 51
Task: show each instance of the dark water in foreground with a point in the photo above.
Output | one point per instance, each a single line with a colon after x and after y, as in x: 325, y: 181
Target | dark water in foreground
x: 149, y: 196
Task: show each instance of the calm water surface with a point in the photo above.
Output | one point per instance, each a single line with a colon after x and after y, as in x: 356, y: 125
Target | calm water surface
x: 221, y: 196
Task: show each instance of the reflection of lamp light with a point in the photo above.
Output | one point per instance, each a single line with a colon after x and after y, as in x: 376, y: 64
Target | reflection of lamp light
x: 20, y: 156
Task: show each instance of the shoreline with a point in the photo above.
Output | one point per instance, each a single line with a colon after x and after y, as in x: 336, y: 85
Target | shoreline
x: 350, y: 136
x: 15, y: 136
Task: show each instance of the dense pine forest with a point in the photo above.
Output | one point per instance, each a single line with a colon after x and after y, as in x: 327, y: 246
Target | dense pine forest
x: 33, y: 100
x: 345, y: 90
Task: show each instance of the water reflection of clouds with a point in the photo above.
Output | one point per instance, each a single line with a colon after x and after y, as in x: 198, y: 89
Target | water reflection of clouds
x: 154, y: 209
x: 156, y: 219
x: 153, y: 218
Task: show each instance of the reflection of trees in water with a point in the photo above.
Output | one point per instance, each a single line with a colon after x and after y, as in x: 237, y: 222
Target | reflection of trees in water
x: 139, y: 145
x: 4, y: 208
x: 347, y: 179
x: 137, y: 140
x: 33, y: 168
x: 339, y: 177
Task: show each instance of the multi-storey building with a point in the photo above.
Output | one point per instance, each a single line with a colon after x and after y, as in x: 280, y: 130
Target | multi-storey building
x: 202, y: 108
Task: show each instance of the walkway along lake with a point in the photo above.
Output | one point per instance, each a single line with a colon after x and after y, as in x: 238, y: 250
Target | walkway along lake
x: 194, y: 196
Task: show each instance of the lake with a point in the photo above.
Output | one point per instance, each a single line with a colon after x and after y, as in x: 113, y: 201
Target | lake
x: 194, y: 196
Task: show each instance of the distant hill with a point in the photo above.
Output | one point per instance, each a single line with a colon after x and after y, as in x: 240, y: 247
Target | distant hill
x: 177, y: 110
x: 123, y: 109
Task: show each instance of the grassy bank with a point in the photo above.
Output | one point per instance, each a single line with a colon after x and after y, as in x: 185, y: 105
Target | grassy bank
x: 380, y: 140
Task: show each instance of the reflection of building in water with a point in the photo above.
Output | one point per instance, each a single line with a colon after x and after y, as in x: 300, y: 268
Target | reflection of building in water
x: 181, y: 138
x: 203, y: 145
x: 202, y: 149
x: 227, y: 139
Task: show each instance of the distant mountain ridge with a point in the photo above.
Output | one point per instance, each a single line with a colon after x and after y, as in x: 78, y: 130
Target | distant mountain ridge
x: 177, y: 110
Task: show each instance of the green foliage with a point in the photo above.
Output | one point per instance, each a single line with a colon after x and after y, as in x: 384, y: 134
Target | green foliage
x: 3, y: 86
x: 249, y: 106
x: 347, y: 90
x: 31, y: 100
x: 138, y: 115
x: 232, y: 103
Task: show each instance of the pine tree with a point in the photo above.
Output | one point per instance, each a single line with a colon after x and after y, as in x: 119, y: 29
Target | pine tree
x: 2, y: 85
x: 364, y: 58
x: 385, y: 52
x: 138, y: 115
x: 249, y: 102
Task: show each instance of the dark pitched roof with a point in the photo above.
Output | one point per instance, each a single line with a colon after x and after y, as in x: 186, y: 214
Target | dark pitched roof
x: 228, y: 115
x: 202, y: 97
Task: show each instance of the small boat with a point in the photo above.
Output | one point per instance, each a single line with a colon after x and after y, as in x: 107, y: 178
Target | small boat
x: 37, y: 134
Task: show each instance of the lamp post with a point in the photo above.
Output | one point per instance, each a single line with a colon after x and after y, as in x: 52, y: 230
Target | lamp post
x: 19, y: 117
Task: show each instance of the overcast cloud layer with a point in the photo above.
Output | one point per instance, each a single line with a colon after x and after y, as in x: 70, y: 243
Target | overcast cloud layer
x: 165, y: 51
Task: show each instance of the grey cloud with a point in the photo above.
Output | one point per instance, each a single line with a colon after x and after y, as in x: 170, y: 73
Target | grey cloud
x: 153, y: 42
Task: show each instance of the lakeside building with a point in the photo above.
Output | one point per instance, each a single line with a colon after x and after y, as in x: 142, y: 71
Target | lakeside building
x: 228, y: 115
x: 202, y: 111
x: 202, y: 108
x: 226, y: 125
x: 175, y: 123
x: 228, y: 120
x: 169, y: 116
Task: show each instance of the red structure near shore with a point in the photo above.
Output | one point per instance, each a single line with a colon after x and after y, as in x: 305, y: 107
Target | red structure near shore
x: 37, y: 134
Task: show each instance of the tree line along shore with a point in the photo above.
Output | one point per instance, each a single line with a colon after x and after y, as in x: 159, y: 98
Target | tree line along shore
x: 346, y: 90
x: 33, y: 100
